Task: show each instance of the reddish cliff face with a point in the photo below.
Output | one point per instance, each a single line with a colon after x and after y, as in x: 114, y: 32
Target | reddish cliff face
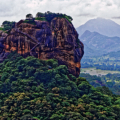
x: 57, y: 39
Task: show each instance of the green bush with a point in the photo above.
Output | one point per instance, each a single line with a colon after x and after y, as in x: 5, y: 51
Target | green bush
x: 41, y: 18
x: 5, y: 75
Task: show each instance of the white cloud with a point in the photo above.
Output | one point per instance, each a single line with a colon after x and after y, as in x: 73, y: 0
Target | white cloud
x: 80, y: 10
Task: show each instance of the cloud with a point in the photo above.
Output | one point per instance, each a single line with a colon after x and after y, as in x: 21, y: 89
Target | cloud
x: 86, y: 15
x: 108, y: 4
x: 116, y: 17
x: 87, y: 4
x: 80, y: 10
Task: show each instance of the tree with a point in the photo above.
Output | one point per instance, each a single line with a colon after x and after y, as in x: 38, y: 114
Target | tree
x: 8, y: 25
x: 29, y: 16
x: 70, y: 18
x: 39, y: 14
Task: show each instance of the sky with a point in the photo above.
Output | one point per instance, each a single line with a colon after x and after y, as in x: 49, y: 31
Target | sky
x: 80, y: 10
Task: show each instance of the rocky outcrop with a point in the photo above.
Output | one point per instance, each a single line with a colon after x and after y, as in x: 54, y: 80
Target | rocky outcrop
x: 3, y: 55
x: 56, y: 39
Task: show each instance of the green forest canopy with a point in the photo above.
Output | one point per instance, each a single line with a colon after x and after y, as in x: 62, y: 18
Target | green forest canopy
x: 30, y: 87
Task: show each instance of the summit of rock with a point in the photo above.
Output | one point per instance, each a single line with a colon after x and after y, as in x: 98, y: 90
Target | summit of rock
x: 46, y: 39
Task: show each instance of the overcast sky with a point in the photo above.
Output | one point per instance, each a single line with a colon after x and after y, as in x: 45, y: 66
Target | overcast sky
x: 80, y: 10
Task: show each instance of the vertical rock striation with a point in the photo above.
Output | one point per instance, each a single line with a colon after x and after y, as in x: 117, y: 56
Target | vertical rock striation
x: 45, y: 40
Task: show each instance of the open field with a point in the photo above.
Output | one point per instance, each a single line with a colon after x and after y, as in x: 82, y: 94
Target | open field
x: 98, y: 72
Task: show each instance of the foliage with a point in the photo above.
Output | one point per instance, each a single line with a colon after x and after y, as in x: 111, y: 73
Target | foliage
x: 30, y: 22
x: 29, y: 16
x: 8, y: 25
x: 106, y: 62
x: 41, y: 18
x: 93, y: 80
x: 39, y: 14
x: 34, y: 88
x: 49, y: 16
x: 1, y: 28
x: 108, y: 82
x: 68, y: 18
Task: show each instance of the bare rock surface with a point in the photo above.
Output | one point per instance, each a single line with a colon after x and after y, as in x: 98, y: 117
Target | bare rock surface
x: 45, y: 40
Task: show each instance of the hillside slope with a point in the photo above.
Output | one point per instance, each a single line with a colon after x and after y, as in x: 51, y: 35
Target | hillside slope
x: 34, y: 88
x: 99, y: 43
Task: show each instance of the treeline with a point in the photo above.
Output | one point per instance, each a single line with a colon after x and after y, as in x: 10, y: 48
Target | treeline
x: 7, y: 25
x: 112, y: 81
x: 93, y: 79
x: 108, y: 67
x: 34, y: 88
x: 113, y: 54
x: 103, y: 66
x: 48, y: 16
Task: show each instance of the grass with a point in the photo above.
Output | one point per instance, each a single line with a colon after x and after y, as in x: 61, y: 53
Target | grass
x: 63, y: 16
x: 67, y: 19
x: 4, y: 30
x: 30, y: 22
x: 41, y: 18
x: 1, y: 28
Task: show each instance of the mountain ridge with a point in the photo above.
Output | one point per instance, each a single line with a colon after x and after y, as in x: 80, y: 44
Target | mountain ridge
x: 100, y: 43
x: 103, y: 26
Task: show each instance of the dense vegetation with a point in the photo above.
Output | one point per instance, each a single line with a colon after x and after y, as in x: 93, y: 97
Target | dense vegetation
x: 7, y: 25
x: 93, y: 79
x: 113, y: 54
x: 103, y: 63
x: 103, y: 66
x: 30, y: 22
x: 111, y: 81
x: 41, y: 18
x: 49, y: 16
x: 30, y: 87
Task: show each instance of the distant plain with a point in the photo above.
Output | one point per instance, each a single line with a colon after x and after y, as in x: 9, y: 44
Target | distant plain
x: 97, y: 72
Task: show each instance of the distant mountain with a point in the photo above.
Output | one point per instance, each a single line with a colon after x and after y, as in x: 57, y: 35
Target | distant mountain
x: 89, y: 51
x: 97, y: 44
x: 103, y: 26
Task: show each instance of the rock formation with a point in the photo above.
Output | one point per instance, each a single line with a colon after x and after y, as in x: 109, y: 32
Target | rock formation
x: 56, y: 39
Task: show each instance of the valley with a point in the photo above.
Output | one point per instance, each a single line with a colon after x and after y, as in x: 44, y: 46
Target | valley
x: 97, y: 72
x: 102, y: 71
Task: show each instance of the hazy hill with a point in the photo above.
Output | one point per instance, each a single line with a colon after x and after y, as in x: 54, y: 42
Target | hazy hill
x: 99, y: 43
x: 103, y: 26
x: 90, y: 52
x: 113, y: 54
